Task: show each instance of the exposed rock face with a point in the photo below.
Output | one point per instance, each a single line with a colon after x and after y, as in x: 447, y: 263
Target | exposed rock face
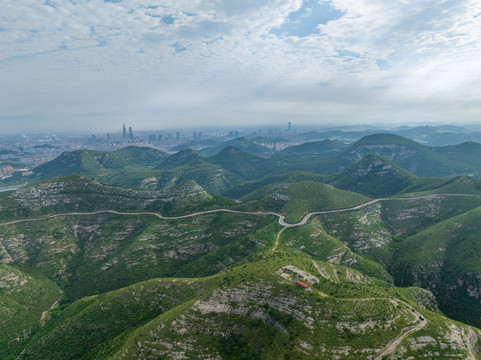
x: 185, y: 191
x: 228, y: 313
x: 79, y: 193
x: 455, y: 339
x: 389, y: 151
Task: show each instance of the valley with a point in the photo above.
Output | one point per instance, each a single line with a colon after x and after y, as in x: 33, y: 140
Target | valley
x: 387, y: 257
x: 240, y: 180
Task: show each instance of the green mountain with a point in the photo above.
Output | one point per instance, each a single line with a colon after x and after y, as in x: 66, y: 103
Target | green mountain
x: 223, y: 172
x: 409, y: 155
x: 212, y: 178
x: 71, y: 193
x: 468, y: 152
x: 242, y: 163
x: 374, y: 176
x: 180, y: 158
x: 25, y: 301
x: 95, y: 271
x: 254, y: 311
x: 310, y: 148
x: 97, y: 246
x: 246, y: 187
x: 445, y: 259
x: 99, y: 163
x: 457, y: 185
x: 438, y: 135
x: 251, y: 146
x: 297, y: 199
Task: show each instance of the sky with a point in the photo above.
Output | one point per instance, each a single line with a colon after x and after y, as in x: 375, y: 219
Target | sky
x: 95, y: 64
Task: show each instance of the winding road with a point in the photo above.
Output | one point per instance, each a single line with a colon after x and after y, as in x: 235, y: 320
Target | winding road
x: 389, y: 349
x: 281, y: 217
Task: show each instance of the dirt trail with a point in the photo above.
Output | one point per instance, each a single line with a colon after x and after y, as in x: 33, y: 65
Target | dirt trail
x: 43, y: 317
x: 278, y: 237
x: 394, y: 343
x: 389, y: 349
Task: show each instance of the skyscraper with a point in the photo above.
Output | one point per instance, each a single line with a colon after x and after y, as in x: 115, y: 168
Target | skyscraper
x: 131, y: 134
x: 124, y: 132
x: 289, y: 126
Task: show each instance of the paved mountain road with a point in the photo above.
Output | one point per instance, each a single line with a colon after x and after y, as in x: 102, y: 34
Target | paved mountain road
x: 281, y: 217
x: 389, y: 349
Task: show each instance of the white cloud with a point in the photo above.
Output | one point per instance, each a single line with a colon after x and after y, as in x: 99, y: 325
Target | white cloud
x: 216, y: 60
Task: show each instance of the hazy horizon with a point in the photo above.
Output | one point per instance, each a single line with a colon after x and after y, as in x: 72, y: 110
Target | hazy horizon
x: 185, y: 129
x: 92, y: 65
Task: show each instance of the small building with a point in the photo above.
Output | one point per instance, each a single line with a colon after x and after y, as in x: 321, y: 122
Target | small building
x: 301, y: 284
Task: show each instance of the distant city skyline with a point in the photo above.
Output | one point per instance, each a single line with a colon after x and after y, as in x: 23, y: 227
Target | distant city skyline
x: 89, y: 66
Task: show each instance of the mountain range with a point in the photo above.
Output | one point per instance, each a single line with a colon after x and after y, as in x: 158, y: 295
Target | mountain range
x: 322, y: 250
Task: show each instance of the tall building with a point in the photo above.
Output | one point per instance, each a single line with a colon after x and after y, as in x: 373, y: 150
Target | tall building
x: 131, y: 134
x: 124, y: 132
x: 289, y: 126
x: 152, y: 139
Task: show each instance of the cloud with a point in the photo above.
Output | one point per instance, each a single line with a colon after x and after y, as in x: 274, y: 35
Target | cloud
x: 240, y: 61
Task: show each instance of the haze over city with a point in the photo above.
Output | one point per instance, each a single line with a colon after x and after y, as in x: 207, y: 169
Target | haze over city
x: 76, y: 65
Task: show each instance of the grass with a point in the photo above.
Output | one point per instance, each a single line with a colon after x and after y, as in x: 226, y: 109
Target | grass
x: 23, y: 299
x: 297, y: 199
x: 119, y: 302
x: 445, y: 259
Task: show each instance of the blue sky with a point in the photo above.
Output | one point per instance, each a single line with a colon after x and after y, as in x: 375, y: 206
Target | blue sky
x: 94, y: 64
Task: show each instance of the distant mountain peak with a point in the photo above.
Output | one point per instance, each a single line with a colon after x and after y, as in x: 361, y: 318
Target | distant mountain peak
x: 374, y: 175
x: 180, y: 158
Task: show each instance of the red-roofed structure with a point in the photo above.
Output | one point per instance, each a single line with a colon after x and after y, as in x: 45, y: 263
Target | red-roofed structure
x: 301, y: 284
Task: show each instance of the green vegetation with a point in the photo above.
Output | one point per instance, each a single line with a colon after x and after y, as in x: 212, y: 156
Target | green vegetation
x: 247, y: 187
x: 374, y: 176
x: 445, y: 259
x: 241, y: 163
x: 249, y: 311
x: 89, y: 271
x: 419, y: 159
x: 252, y: 146
x: 99, y: 163
x: 313, y: 240
x: 309, y: 149
x: 24, y: 302
x: 297, y: 199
